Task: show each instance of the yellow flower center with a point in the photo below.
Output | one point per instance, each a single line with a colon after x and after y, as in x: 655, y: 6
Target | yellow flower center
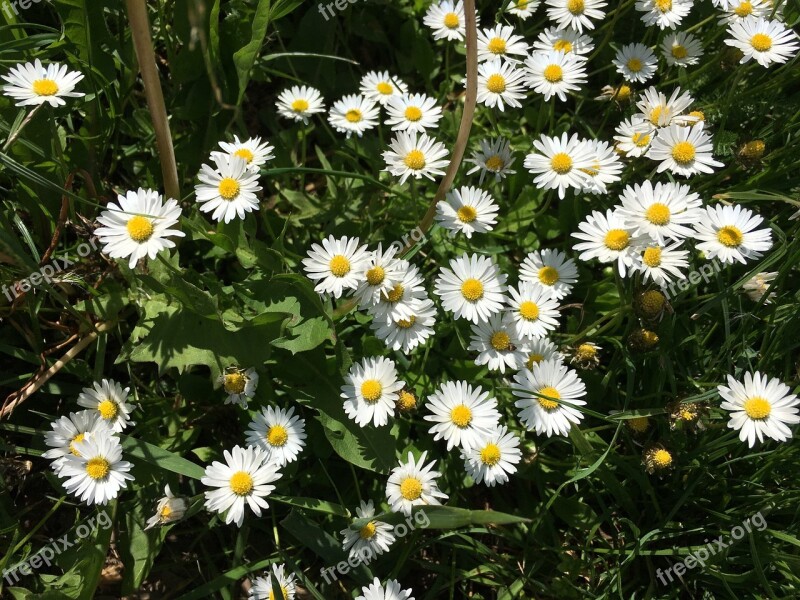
x: 415, y: 160
x: 754, y: 149
x: 495, y: 163
x: 698, y: 114
x: 241, y: 483
x: 500, y: 341
x: 461, y: 416
x: 228, y: 188
x: 300, y: 105
x: 553, y: 73
x: 396, y: 293
x: 496, y: 46
x: 655, y: 114
x: 98, y: 468
x: 652, y: 302
x: 730, y: 236
x: 284, y: 593
x: 635, y: 65
x: 467, y: 214
x: 617, y: 239
x: 353, y: 115
x: 662, y: 458
x: 407, y: 323
x: 367, y: 532
x: 548, y: 275
x: 451, y: 20
x: 406, y: 401
x: 139, y: 228
x: 376, y: 275
x: 78, y: 438
x: 757, y: 407
x: 277, y: 436
x: 496, y: 83
x: 245, y: 154
x: 234, y: 383
x: 411, y: 488
x: 561, y: 163
x: 663, y: 5
x: 166, y: 512
x: 413, y: 114
x: 45, y: 87
x: 490, y: 455
x: 522, y: 4
x: 652, y: 257
x: 623, y: 92
x: 586, y: 352
x: 761, y: 42
x: 640, y: 139
x: 108, y: 409
x: 552, y: 393
x: 744, y: 9
x: 384, y: 88
x: 339, y: 265
x: 534, y: 359
x: 638, y: 424
x: 683, y: 153
x: 529, y: 310
x: 564, y: 46
x: 679, y: 51
x: 576, y: 7
x: 371, y: 390
x: 658, y: 213
x: 472, y: 290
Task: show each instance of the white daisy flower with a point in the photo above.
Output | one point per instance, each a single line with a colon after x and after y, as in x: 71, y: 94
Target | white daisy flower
x: 138, y: 225
x: 398, y: 302
x: 407, y: 333
x: 500, y: 42
x: 110, y: 401
x: 461, y: 413
x: 239, y: 384
x: 494, y: 157
x: 300, y: 102
x: 392, y: 591
x: 380, y: 87
x: 758, y: 286
x: 498, y: 344
x: 279, y: 433
x: 523, y: 8
x: 67, y: 431
x: 34, y: 84
x: 737, y: 10
x: 262, y: 586
x: 446, y: 19
x: 372, y: 539
x: 413, y: 112
x: 763, y: 40
x: 533, y: 310
x: 229, y: 190
x: 608, y: 239
x: 416, y: 155
x: 636, y: 62
x: 634, y: 136
x: 567, y: 41
x: 382, y: 272
x: 728, y: 233
x: 467, y: 210
x: 605, y: 168
x: 560, y: 163
x: 471, y: 288
x: 337, y: 265
x: 413, y: 484
x: 760, y: 407
x: 500, y: 83
x: 667, y: 14
x: 494, y: 458
x: 541, y: 391
x: 681, y: 49
x: 96, y: 472
x: 170, y: 509
x: 242, y: 480
x: 664, y: 211
x: 660, y: 112
x: 554, y: 73
x: 371, y: 390
x: 541, y: 349
x: 550, y: 270
x: 252, y: 150
x: 575, y: 14
x: 683, y: 150
x: 660, y: 264
x: 353, y: 114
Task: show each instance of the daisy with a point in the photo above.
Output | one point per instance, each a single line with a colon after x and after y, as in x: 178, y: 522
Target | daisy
x: 586, y: 355
x: 262, y: 586
x: 764, y: 40
x: 738, y: 10
x: 170, y: 508
x: 494, y: 157
x: 383, y: 270
x: 461, y: 413
x: 407, y: 333
x: 560, y: 163
x: 138, y: 225
x: 681, y: 49
x: 371, y: 539
x: 660, y: 112
x: 542, y: 349
x: 252, y: 151
x: 380, y: 87
x: 96, y: 473
x: 468, y: 210
x: 728, y: 233
x: 532, y: 309
x: 371, y: 391
x: 353, y: 114
x: 605, y: 168
x: 446, y: 19
x: 664, y: 211
x: 239, y: 384
x: 396, y: 304
x: 554, y: 73
x: 683, y: 150
x: 35, y: 84
x: 498, y: 344
x: 608, y: 239
x: 67, y: 431
x: 550, y: 270
x: 110, y: 401
x: 523, y: 8
x: 415, y: 154
x: 243, y: 480
x: 392, y: 591
x: 660, y: 264
x: 541, y: 390
x: 758, y: 286
x: 279, y: 433
x: 229, y: 190
x: 300, y: 102
x: 760, y: 407
x: 412, y: 484
x: 412, y: 112
x: 664, y: 13
x: 567, y: 41
x: 494, y: 458
x: 636, y: 62
x: 471, y: 288
x: 634, y: 136
x: 500, y: 83
x: 337, y: 265
x: 500, y: 42
x: 575, y: 14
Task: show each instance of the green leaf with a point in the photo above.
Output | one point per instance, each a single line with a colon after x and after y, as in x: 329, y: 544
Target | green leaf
x: 163, y: 459
x: 245, y: 58
x: 444, y: 517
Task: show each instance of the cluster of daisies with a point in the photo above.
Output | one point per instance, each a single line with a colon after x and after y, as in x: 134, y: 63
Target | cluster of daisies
x: 262, y: 587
